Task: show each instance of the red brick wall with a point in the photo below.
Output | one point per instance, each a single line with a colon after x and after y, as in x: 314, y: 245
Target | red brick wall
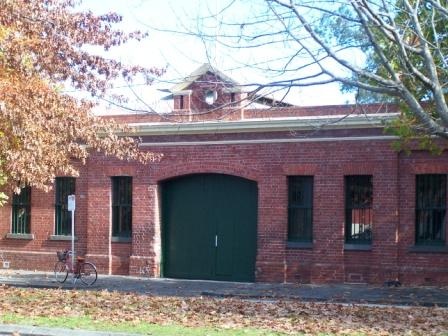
x: 208, y: 82
x: 426, y: 268
x: 40, y: 253
x: 121, y: 253
x: 391, y: 255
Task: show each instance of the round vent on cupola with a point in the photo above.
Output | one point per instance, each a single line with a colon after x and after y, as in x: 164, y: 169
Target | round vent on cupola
x: 210, y: 97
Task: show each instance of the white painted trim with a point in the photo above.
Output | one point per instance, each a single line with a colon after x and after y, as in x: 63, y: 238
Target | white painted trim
x: 266, y: 141
x: 183, y: 92
x: 263, y: 125
x: 31, y: 252
x: 24, y: 236
x: 88, y: 255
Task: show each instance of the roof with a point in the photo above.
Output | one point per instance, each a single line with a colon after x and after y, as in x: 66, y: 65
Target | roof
x: 359, y: 121
x: 195, y: 75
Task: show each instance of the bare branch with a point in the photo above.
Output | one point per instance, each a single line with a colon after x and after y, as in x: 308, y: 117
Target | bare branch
x: 439, y: 7
x: 403, y: 47
x: 430, y: 66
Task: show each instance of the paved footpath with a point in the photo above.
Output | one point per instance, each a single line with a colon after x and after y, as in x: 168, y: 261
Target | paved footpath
x: 21, y: 330
x: 344, y: 293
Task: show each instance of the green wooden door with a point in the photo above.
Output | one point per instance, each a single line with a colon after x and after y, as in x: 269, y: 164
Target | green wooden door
x: 209, y: 227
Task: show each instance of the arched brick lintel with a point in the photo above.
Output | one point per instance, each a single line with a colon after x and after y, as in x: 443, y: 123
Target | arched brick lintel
x: 188, y: 169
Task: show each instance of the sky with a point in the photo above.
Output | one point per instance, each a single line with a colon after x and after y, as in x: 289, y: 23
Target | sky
x: 168, y: 45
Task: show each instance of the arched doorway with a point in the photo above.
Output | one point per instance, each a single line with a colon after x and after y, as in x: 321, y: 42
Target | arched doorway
x: 209, y: 227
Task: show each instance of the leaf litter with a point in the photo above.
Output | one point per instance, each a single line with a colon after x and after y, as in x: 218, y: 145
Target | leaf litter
x: 285, y: 316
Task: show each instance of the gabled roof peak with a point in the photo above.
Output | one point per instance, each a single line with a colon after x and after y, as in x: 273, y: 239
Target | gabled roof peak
x: 202, y: 70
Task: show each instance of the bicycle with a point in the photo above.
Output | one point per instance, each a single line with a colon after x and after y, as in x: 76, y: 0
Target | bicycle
x: 82, y: 270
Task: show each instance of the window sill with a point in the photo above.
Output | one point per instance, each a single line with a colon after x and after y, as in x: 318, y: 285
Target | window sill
x: 429, y: 249
x: 121, y: 240
x: 25, y: 236
x: 357, y: 247
x: 61, y: 237
x: 299, y: 245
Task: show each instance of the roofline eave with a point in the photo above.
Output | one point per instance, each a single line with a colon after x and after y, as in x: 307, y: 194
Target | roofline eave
x: 262, y: 125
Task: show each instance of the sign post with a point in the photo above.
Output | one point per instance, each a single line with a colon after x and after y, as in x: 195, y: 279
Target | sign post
x: 71, y: 205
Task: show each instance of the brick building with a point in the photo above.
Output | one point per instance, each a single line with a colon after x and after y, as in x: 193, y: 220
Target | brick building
x: 272, y: 192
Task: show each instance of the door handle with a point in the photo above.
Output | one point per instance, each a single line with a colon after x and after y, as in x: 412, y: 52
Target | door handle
x: 216, y: 240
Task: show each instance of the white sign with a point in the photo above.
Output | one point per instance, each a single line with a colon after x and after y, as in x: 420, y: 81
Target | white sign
x: 71, y: 203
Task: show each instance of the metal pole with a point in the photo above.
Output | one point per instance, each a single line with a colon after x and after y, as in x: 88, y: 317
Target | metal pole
x: 73, y: 239
x: 71, y: 206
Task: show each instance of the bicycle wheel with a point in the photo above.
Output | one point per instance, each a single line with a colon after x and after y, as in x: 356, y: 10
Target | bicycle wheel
x: 60, y: 271
x: 87, y: 273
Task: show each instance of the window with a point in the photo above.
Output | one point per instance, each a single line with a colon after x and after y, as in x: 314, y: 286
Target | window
x: 358, y: 209
x: 63, y: 218
x: 300, y: 208
x: 121, y: 206
x: 181, y: 102
x: 430, y: 209
x: 21, y: 212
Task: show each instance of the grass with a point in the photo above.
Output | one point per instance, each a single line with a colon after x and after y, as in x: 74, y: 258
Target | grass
x: 153, y: 315
x: 86, y: 323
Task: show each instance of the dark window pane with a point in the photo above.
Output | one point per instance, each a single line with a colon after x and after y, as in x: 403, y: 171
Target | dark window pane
x: 300, y: 208
x: 21, y: 211
x: 122, y: 206
x: 358, y: 209
x: 430, y: 209
x: 63, y: 219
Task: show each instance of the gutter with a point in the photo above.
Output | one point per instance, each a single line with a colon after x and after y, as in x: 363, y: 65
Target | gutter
x: 263, y: 125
